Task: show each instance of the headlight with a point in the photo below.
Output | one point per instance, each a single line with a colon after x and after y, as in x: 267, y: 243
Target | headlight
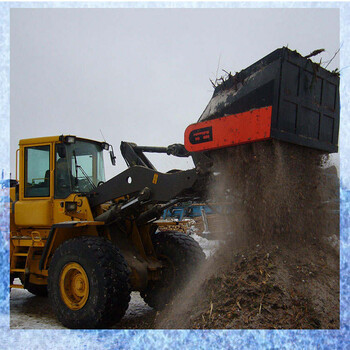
x: 70, y: 139
x: 105, y: 146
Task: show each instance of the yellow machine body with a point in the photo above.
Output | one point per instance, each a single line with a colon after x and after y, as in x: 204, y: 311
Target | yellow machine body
x: 34, y: 222
x: 87, y: 243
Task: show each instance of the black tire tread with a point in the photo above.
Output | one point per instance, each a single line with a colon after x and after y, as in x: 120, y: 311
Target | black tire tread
x: 112, y: 265
x: 189, y: 255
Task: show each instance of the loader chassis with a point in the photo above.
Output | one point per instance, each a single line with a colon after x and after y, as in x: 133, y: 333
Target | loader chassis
x: 61, y: 199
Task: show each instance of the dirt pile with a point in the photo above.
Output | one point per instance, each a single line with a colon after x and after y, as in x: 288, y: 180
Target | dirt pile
x: 269, y: 288
x: 279, y: 266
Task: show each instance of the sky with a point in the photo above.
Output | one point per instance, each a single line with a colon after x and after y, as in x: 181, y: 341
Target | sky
x: 141, y: 75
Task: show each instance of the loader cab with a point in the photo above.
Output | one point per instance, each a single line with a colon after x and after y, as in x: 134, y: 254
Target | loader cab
x: 60, y: 166
x: 79, y: 166
x: 54, y: 170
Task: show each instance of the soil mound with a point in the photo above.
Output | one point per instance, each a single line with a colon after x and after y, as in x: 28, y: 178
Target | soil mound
x: 269, y: 288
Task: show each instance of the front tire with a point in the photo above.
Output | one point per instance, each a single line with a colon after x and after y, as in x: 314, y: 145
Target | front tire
x: 88, y: 283
x: 180, y: 255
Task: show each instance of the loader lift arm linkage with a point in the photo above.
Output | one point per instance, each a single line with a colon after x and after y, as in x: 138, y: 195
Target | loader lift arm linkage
x: 142, y: 179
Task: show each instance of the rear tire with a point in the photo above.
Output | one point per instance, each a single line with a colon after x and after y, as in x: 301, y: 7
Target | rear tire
x: 181, y: 255
x: 88, y: 283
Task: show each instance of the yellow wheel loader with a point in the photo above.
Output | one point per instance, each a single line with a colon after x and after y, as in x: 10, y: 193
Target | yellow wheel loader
x: 88, y: 243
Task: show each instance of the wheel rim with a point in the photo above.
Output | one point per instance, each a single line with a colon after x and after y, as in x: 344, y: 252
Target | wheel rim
x: 74, y: 286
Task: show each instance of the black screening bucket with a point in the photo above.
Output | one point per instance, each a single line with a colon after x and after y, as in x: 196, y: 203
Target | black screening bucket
x: 304, y: 98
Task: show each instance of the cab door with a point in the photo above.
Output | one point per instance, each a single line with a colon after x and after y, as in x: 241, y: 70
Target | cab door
x: 34, y: 207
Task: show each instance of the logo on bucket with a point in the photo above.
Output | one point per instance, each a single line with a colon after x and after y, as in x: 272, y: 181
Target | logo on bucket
x: 201, y: 135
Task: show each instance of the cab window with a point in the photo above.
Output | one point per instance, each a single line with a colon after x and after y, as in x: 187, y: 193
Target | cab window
x: 37, y: 171
x: 79, y: 168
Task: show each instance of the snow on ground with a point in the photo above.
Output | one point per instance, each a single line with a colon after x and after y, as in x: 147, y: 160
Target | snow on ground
x: 28, y: 311
x: 208, y: 246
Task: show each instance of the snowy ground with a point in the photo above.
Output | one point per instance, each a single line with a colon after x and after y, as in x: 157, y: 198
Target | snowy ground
x: 208, y: 246
x: 32, y: 312
x: 28, y: 311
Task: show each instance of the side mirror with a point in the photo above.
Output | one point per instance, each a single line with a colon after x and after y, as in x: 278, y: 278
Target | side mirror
x: 61, y: 150
x: 113, y: 157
